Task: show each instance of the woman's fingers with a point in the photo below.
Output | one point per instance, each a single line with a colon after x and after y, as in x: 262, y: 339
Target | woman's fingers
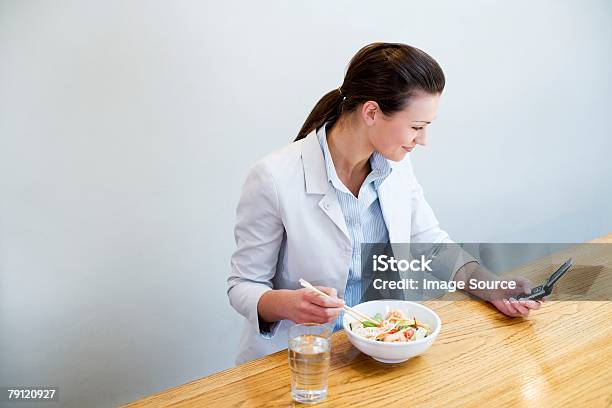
x: 516, y: 308
x: 520, y: 308
x: 322, y: 314
x: 330, y: 291
x: 530, y: 304
x: 509, y: 309
x: 314, y: 307
x: 523, y: 306
x: 324, y: 301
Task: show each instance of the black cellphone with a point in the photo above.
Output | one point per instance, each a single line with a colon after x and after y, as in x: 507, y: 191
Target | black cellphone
x: 546, y: 288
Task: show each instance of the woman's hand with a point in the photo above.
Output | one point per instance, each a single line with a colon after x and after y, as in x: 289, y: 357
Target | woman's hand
x: 306, y: 306
x: 505, y: 300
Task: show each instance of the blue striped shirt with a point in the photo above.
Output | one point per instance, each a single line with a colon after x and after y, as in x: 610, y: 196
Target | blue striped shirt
x: 362, y: 214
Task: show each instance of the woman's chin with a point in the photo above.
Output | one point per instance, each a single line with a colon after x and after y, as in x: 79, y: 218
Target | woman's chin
x: 399, y: 156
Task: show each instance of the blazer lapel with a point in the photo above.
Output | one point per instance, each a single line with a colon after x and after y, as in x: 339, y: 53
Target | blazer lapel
x: 330, y: 206
x: 395, y: 203
x: 315, y: 177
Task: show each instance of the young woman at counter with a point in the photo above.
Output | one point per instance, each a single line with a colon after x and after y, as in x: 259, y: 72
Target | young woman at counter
x: 306, y: 208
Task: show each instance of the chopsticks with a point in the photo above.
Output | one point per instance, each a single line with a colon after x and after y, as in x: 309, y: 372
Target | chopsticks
x: 354, y: 313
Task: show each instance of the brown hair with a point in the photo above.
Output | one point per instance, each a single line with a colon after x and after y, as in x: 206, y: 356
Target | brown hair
x: 387, y: 73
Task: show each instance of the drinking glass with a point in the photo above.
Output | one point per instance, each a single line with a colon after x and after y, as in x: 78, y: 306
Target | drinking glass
x: 309, y: 354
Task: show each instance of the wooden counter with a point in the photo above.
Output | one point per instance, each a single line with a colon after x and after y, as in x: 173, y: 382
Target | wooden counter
x: 560, y: 355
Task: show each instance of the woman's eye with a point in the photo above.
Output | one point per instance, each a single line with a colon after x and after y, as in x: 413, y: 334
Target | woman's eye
x: 417, y: 128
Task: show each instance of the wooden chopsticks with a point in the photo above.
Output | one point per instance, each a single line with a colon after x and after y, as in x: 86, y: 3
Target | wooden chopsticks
x: 354, y: 313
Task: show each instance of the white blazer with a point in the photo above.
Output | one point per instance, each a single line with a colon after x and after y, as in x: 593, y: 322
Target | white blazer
x: 289, y: 225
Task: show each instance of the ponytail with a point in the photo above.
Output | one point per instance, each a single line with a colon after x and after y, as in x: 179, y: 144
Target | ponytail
x: 328, y: 108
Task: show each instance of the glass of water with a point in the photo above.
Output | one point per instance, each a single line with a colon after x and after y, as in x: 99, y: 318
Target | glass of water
x: 309, y: 353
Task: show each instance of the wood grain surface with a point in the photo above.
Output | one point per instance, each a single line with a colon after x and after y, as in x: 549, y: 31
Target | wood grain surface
x: 560, y: 355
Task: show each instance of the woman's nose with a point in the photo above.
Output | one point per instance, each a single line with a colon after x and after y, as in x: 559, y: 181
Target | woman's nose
x: 421, y: 138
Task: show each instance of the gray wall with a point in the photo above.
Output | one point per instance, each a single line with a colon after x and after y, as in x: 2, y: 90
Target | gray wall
x: 126, y: 129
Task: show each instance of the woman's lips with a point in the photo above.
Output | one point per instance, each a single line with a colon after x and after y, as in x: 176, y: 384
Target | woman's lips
x: 408, y: 149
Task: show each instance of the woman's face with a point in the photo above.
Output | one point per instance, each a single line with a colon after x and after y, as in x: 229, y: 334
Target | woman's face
x: 395, y: 135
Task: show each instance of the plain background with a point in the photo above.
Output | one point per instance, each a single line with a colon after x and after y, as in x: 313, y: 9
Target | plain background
x: 127, y: 128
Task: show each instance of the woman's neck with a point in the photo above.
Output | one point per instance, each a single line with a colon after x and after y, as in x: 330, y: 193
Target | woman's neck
x: 350, y: 149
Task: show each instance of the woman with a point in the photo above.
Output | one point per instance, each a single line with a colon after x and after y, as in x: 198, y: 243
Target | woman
x: 306, y: 208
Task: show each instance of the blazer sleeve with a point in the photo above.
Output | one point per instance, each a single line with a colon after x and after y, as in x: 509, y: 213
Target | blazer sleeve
x: 448, y: 256
x: 258, y: 233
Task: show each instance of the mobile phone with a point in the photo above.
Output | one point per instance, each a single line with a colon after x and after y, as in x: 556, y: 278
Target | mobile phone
x: 546, y: 288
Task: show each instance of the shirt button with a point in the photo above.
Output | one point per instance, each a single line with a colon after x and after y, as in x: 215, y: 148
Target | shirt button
x: 327, y: 206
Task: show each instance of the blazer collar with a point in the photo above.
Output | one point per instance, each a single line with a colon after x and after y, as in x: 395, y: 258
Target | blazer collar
x: 315, y: 172
x: 313, y: 161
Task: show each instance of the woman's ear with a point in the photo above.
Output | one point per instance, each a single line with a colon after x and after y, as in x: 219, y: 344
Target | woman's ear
x: 369, y: 110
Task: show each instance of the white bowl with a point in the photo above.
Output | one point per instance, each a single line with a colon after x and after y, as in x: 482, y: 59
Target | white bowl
x: 393, y: 352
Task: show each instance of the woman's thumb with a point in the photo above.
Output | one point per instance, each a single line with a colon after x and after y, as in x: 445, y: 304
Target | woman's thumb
x: 523, y: 283
x: 330, y: 291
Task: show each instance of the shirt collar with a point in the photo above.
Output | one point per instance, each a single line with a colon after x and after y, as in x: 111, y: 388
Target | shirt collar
x: 381, y: 167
